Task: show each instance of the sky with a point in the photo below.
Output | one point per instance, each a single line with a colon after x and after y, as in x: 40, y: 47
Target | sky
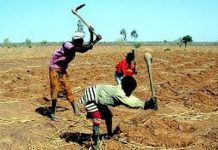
x: 154, y: 20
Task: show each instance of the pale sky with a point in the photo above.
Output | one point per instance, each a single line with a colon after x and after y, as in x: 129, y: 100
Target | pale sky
x: 154, y: 20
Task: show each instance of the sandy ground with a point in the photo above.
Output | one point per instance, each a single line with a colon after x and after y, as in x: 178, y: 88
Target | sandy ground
x: 186, y: 83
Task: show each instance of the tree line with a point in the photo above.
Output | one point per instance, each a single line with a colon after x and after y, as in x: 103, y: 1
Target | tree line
x: 133, y: 34
x: 80, y: 28
x: 28, y: 43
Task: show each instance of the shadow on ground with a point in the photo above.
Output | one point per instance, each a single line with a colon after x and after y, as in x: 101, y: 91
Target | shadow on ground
x: 46, y: 111
x: 80, y: 138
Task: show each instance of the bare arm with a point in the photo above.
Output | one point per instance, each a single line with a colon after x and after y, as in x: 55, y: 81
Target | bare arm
x: 98, y: 36
x: 84, y: 48
x: 91, y: 35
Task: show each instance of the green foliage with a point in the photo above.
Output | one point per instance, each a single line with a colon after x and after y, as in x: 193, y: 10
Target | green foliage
x: 28, y: 43
x: 80, y: 27
x: 165, y: 41
x: 44, y: 43
x: 186, y: 39
x: 137, y: 45
x: 134, y: 34
x: 6, y: 43
x: 179, y: 42
x: 123, y: 33
x: 120, y: 42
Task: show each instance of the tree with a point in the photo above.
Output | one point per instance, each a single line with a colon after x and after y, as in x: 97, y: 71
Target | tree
x: 186, y: 39
x: 123, y: 33
x: 137, y: 45
x: 28, y: 43
x: 80, y: 27
x: 6, y: 43
x: 179, y: 42
x: 165, y: 41
x: 44, y: 43
x: 134, y: 34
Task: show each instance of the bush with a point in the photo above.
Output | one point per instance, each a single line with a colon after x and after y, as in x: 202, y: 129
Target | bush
x: 137, y: 44
x: 28, y: 43
x: 6, y: 43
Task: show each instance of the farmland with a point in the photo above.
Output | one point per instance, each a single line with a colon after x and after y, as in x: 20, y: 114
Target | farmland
x: 186, y: 86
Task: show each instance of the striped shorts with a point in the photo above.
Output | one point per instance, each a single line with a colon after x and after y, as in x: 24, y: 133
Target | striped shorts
x: 89, y: 95
x: 89, y: 99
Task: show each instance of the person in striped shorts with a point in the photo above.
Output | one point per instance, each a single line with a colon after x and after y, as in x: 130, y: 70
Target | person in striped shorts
x: 97, y: 99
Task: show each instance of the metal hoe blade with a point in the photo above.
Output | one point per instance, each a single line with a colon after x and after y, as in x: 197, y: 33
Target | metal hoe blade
x: 79, y: 7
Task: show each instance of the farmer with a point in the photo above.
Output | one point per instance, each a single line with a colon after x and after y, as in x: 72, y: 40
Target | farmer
x: 61, y: 57
x: 126, y: 67
x: 97, y: 99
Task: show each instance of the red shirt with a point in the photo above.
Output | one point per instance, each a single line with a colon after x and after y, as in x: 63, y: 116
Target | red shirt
x: 124, y: 68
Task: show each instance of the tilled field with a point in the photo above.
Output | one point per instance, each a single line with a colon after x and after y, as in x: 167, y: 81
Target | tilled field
x: 186, y: 86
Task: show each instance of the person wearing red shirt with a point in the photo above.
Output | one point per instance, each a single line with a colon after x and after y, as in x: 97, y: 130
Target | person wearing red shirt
x: 126, y: 67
